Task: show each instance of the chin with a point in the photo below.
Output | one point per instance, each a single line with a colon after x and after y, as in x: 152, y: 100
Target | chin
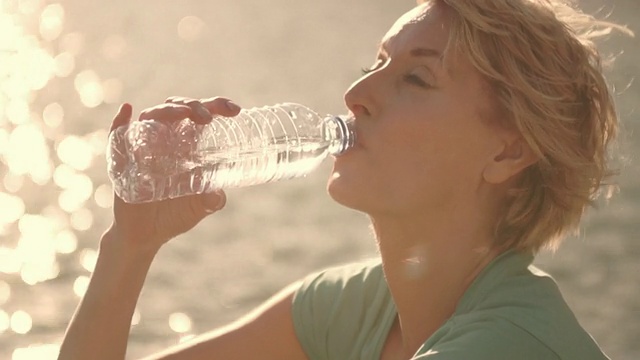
x: 346, y: 192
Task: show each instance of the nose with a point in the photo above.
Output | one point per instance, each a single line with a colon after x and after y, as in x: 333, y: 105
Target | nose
x: 360, y: 98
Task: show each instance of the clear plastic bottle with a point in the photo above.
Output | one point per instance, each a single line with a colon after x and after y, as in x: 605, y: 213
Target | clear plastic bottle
x: 152, y: 160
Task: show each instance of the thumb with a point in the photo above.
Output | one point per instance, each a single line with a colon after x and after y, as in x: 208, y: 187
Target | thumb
x: 213, y: 201
x: 185, y: 212
x: 122, y: 117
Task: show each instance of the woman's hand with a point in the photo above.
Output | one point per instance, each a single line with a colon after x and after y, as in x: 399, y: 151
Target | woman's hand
x: 147, y: 226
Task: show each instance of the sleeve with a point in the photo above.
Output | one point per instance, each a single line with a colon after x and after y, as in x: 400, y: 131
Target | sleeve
x: 332, y: 310
x: 493, y: 339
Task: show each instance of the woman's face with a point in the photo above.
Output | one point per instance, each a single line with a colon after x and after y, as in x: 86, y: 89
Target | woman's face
x: 422, y: 122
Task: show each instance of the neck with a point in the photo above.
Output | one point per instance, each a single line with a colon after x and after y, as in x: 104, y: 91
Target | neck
x: 428, y: 267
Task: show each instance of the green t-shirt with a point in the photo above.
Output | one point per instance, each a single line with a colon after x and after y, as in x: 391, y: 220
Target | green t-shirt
x: 511, y: 311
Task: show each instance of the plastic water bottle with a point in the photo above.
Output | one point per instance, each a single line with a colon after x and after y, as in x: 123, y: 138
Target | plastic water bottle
x: 152, y: 160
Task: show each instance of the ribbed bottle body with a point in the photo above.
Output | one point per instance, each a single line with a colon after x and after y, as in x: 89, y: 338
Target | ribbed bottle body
x: 151, y: 160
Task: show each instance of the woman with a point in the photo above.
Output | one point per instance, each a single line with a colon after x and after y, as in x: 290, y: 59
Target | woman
x: 482, y: 130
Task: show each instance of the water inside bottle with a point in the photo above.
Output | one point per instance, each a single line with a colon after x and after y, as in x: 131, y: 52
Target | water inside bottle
x: 285, y: 158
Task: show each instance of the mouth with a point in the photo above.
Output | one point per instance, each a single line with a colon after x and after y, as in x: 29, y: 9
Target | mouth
x: 357, y: 142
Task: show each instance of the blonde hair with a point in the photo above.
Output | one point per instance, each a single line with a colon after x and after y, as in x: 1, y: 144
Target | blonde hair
x: 546, y: 74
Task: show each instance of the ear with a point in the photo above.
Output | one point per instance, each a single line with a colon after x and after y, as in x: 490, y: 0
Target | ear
x: 515, y: 156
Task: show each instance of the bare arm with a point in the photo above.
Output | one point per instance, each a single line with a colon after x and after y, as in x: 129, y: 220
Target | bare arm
x: 100, y: 327
x: 265, y: 333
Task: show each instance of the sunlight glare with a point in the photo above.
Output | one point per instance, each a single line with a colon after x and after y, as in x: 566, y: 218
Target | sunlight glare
x: 17, y: 111
x: 35, y: 272
x: 5, y: 321
x: 5, y: 292
x: 38, y: 68
x: 36, y: 249
x: 103, y: 196
x: 28, y: 152
x: 180, y: 322
x: 21, y: 322
x: 51, y: 22
x: 66, y: 242
x: 53, y: 115
x: 75, y: 152
x: 64, y: 64
x: 13, y: 183
x: 89, y: 87
x: 81, y: 220
x: 74, y: 197
x: 9, y: 262
x: 4, y: 138
x: 98, y: 141
x: 80, y: 285
x: 11, y: 210
x: 40, y: 352
x: 88, y: 258
x: 29, y: 6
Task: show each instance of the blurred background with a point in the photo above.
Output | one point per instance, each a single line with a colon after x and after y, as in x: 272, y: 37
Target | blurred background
x: 66, y: 66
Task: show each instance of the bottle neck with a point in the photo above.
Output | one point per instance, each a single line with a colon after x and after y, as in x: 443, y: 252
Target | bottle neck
x: 339, y: 133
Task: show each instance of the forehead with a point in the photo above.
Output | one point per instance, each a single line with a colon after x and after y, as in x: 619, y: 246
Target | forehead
x: 426, y: 25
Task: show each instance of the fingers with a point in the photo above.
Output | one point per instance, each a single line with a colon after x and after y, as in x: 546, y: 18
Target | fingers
x: 122, y: 117
x: 166, y: 112
x: 203, y: 110
x: 222, y: 106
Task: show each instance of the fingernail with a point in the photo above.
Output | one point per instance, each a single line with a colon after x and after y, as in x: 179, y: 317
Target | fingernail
x: 233, y: 106
x: 214, y: 201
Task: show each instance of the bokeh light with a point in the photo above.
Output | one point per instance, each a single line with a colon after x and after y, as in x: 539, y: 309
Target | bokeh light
x: 5, y: 321
x: 53, y: 115
x: 11, y: 210
x: 40, y: 352
x: 64, y: 64
x: 103, y: 196
x: 190, y: 28
x: 80, y: 285
x: 5, y: 292
x: 75, y: 152
x: 51, y: 22
x: 88, y: 259
x: 89, y: 87
x: 66, y: 242
x: 21, y: 322
x: 180, y: 322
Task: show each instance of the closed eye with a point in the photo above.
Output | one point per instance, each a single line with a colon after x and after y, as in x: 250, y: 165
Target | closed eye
x: 416, y: 80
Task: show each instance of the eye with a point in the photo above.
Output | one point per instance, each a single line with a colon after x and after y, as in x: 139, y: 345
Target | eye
x: 416, y: 80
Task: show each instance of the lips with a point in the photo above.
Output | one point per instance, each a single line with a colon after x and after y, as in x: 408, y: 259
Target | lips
x: 350, y: 119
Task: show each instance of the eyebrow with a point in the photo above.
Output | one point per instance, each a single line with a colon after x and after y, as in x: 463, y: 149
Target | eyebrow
x: 425, y: 52
x: 420, y: 52
x: 417, y: 52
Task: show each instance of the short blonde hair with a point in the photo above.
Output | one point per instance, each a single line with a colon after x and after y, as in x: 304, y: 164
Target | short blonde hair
x: 546, y: 74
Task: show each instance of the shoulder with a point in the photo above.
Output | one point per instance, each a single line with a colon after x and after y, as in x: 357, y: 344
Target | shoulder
x: 510, y: 308
x: 340, y: 289
x: 338, y: 311
x: 357, y: 277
